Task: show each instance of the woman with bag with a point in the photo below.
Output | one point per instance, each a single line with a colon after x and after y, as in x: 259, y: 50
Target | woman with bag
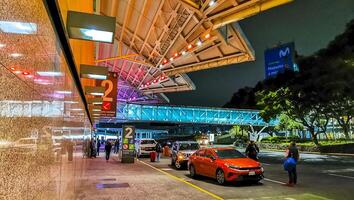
x: 292, y: 156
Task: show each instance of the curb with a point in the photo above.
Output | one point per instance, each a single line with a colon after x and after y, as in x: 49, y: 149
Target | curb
x: 319, y: 153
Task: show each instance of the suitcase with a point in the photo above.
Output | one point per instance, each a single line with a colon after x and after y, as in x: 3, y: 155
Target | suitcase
x: 152, y: 156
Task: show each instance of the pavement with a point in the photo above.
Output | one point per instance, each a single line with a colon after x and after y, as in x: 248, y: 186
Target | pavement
x: 320, y: 177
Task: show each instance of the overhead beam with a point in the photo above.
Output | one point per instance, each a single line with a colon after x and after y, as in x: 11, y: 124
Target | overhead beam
x: 248, y: 12
x: 217, y: 62
x: 117, y: 57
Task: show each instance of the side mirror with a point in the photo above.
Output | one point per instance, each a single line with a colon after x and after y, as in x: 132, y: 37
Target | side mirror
x: 212, y: 158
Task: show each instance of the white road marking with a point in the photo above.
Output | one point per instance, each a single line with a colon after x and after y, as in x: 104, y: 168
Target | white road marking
x: 350, y: 177
x: 265, y: 164
x: 339, y: 170
x: 274, y: 181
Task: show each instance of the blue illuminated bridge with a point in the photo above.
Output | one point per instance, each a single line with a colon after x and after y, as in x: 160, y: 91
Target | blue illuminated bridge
x: 196, y: 115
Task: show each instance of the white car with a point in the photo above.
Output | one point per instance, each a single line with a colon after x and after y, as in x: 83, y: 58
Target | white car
x: 145, y: 146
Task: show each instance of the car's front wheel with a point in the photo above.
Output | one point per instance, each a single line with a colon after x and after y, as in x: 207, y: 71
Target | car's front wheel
x: 178, y: 165
x: 220, y: 177
x: 192, y: 171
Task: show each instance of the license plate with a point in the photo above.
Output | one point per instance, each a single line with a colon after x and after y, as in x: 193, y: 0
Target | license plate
x: 251, y: 173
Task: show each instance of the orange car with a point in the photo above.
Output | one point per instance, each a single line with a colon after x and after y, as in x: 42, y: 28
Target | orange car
x: 224, y: 164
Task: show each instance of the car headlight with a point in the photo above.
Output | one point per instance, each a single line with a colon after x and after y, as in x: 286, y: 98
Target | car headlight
x: 262, y: 169
x: 232, y: 166
x: 180, y: 156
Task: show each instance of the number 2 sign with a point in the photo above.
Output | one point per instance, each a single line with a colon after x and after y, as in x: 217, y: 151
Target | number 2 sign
x: 109, y: 105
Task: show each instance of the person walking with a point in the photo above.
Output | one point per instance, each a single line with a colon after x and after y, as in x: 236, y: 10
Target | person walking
x: 98, y: 146
x: 116, y: 146
x: 159, y: 150
x: 292, y: 156
x: 108, y: 148
x: 252, y: 151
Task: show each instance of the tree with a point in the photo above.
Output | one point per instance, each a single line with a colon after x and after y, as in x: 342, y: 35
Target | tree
x: 286, y: 123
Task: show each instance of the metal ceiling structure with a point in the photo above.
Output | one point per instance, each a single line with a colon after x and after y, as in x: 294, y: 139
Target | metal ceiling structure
x: 158, y: 41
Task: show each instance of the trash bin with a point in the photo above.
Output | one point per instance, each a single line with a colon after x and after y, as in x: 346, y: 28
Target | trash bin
x: 152, y: 156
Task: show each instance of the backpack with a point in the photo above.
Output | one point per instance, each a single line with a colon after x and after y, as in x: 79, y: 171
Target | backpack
x: 289, y: 164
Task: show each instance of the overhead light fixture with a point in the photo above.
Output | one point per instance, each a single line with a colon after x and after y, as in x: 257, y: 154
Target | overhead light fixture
x: 93, y: 72
x: 92, y: 27
x: 95, y: 101
x: 190, y: 46
x: 96, y: 114
x: 49, y: 73
x: 2, y: 45
x: 25, y: 73
x: 199, y: 43
x: 63, y: 92
x: 18, y: 27
x: 71, y: 102
x: 211, y: 3
x: 95, y: 91
x: 15, y: 55
x: 76, y: 109
x: 171, y: 59
x: 184, y: 53
x: 207, y: 36
x: 96, y: 109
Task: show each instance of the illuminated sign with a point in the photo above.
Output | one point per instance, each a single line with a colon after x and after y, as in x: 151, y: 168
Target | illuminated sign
x: 109, y: 105
x: 128, y: 141
x: 279, y: 59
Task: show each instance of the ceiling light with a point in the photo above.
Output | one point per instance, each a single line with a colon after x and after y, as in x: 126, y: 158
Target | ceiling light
x: 25, y: 73
x: 96, y: 35
x: 184, y: 53
x: 18, y: 72
x: 95, y: 76
x: 15, y: 55
x: 89, y: 26
x: 199, y: 43
x: 171, y: 59
x: 2, y: 45
x: 97, y: 103
x: 97, y: 93
x: 49, y: 73
x: 161, y: 65
x: 18, y: 27
x: 96, y: 109
x: 12, y: 68
x: 71, y: 102
x: 211, y: 3
x: 76, y: 109
x: 207, y: 36
x: 96, y: 114
x: 190, y: 46
x: 63, y: 92
x: 176, y: 54
x: 165, y: 61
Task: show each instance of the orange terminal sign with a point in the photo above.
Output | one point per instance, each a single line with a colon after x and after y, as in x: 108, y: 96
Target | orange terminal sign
x: 109, y: 105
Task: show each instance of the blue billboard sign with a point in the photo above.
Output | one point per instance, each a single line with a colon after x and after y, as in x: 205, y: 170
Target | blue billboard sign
x: 279, y: 59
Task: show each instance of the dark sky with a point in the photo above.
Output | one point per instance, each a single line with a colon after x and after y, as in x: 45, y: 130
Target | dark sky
x: 311, y: 24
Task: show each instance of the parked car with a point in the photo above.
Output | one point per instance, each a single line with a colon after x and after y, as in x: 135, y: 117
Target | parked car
x: 181, y: 150
x: 145, y: 146
x: 224, y: 164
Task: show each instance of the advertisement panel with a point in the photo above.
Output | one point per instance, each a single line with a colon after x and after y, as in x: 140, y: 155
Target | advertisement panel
x: 128, y: 144
x: 279, y: 59
x: 109, y: 105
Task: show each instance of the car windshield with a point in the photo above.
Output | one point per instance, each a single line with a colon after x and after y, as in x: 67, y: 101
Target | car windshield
x: 229, y: 153
x: 147, y: 142
x: 189, y: 146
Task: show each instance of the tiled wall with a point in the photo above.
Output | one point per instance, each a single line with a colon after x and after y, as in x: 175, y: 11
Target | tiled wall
x: 39, y: 106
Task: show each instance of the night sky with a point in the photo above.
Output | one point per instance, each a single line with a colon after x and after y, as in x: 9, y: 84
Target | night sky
x: 311, y: 24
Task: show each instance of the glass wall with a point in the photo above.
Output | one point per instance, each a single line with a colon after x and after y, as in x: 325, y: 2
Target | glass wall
x: 42, y: 117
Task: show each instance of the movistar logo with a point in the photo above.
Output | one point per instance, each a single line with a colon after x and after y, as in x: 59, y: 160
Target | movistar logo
x: 285, y: 52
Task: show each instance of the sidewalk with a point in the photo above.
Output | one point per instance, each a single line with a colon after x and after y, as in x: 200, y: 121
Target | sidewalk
x: 99, y: 179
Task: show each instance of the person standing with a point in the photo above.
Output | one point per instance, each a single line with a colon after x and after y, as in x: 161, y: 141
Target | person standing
x: 158, y: 151
x: 292, y: 152
x: 108, y: 148
x: 116, y: 146
x: 252, y: 151
x: 98, y: 146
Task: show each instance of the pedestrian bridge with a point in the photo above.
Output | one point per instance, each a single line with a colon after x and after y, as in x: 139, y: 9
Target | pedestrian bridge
x: 197, y: 115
